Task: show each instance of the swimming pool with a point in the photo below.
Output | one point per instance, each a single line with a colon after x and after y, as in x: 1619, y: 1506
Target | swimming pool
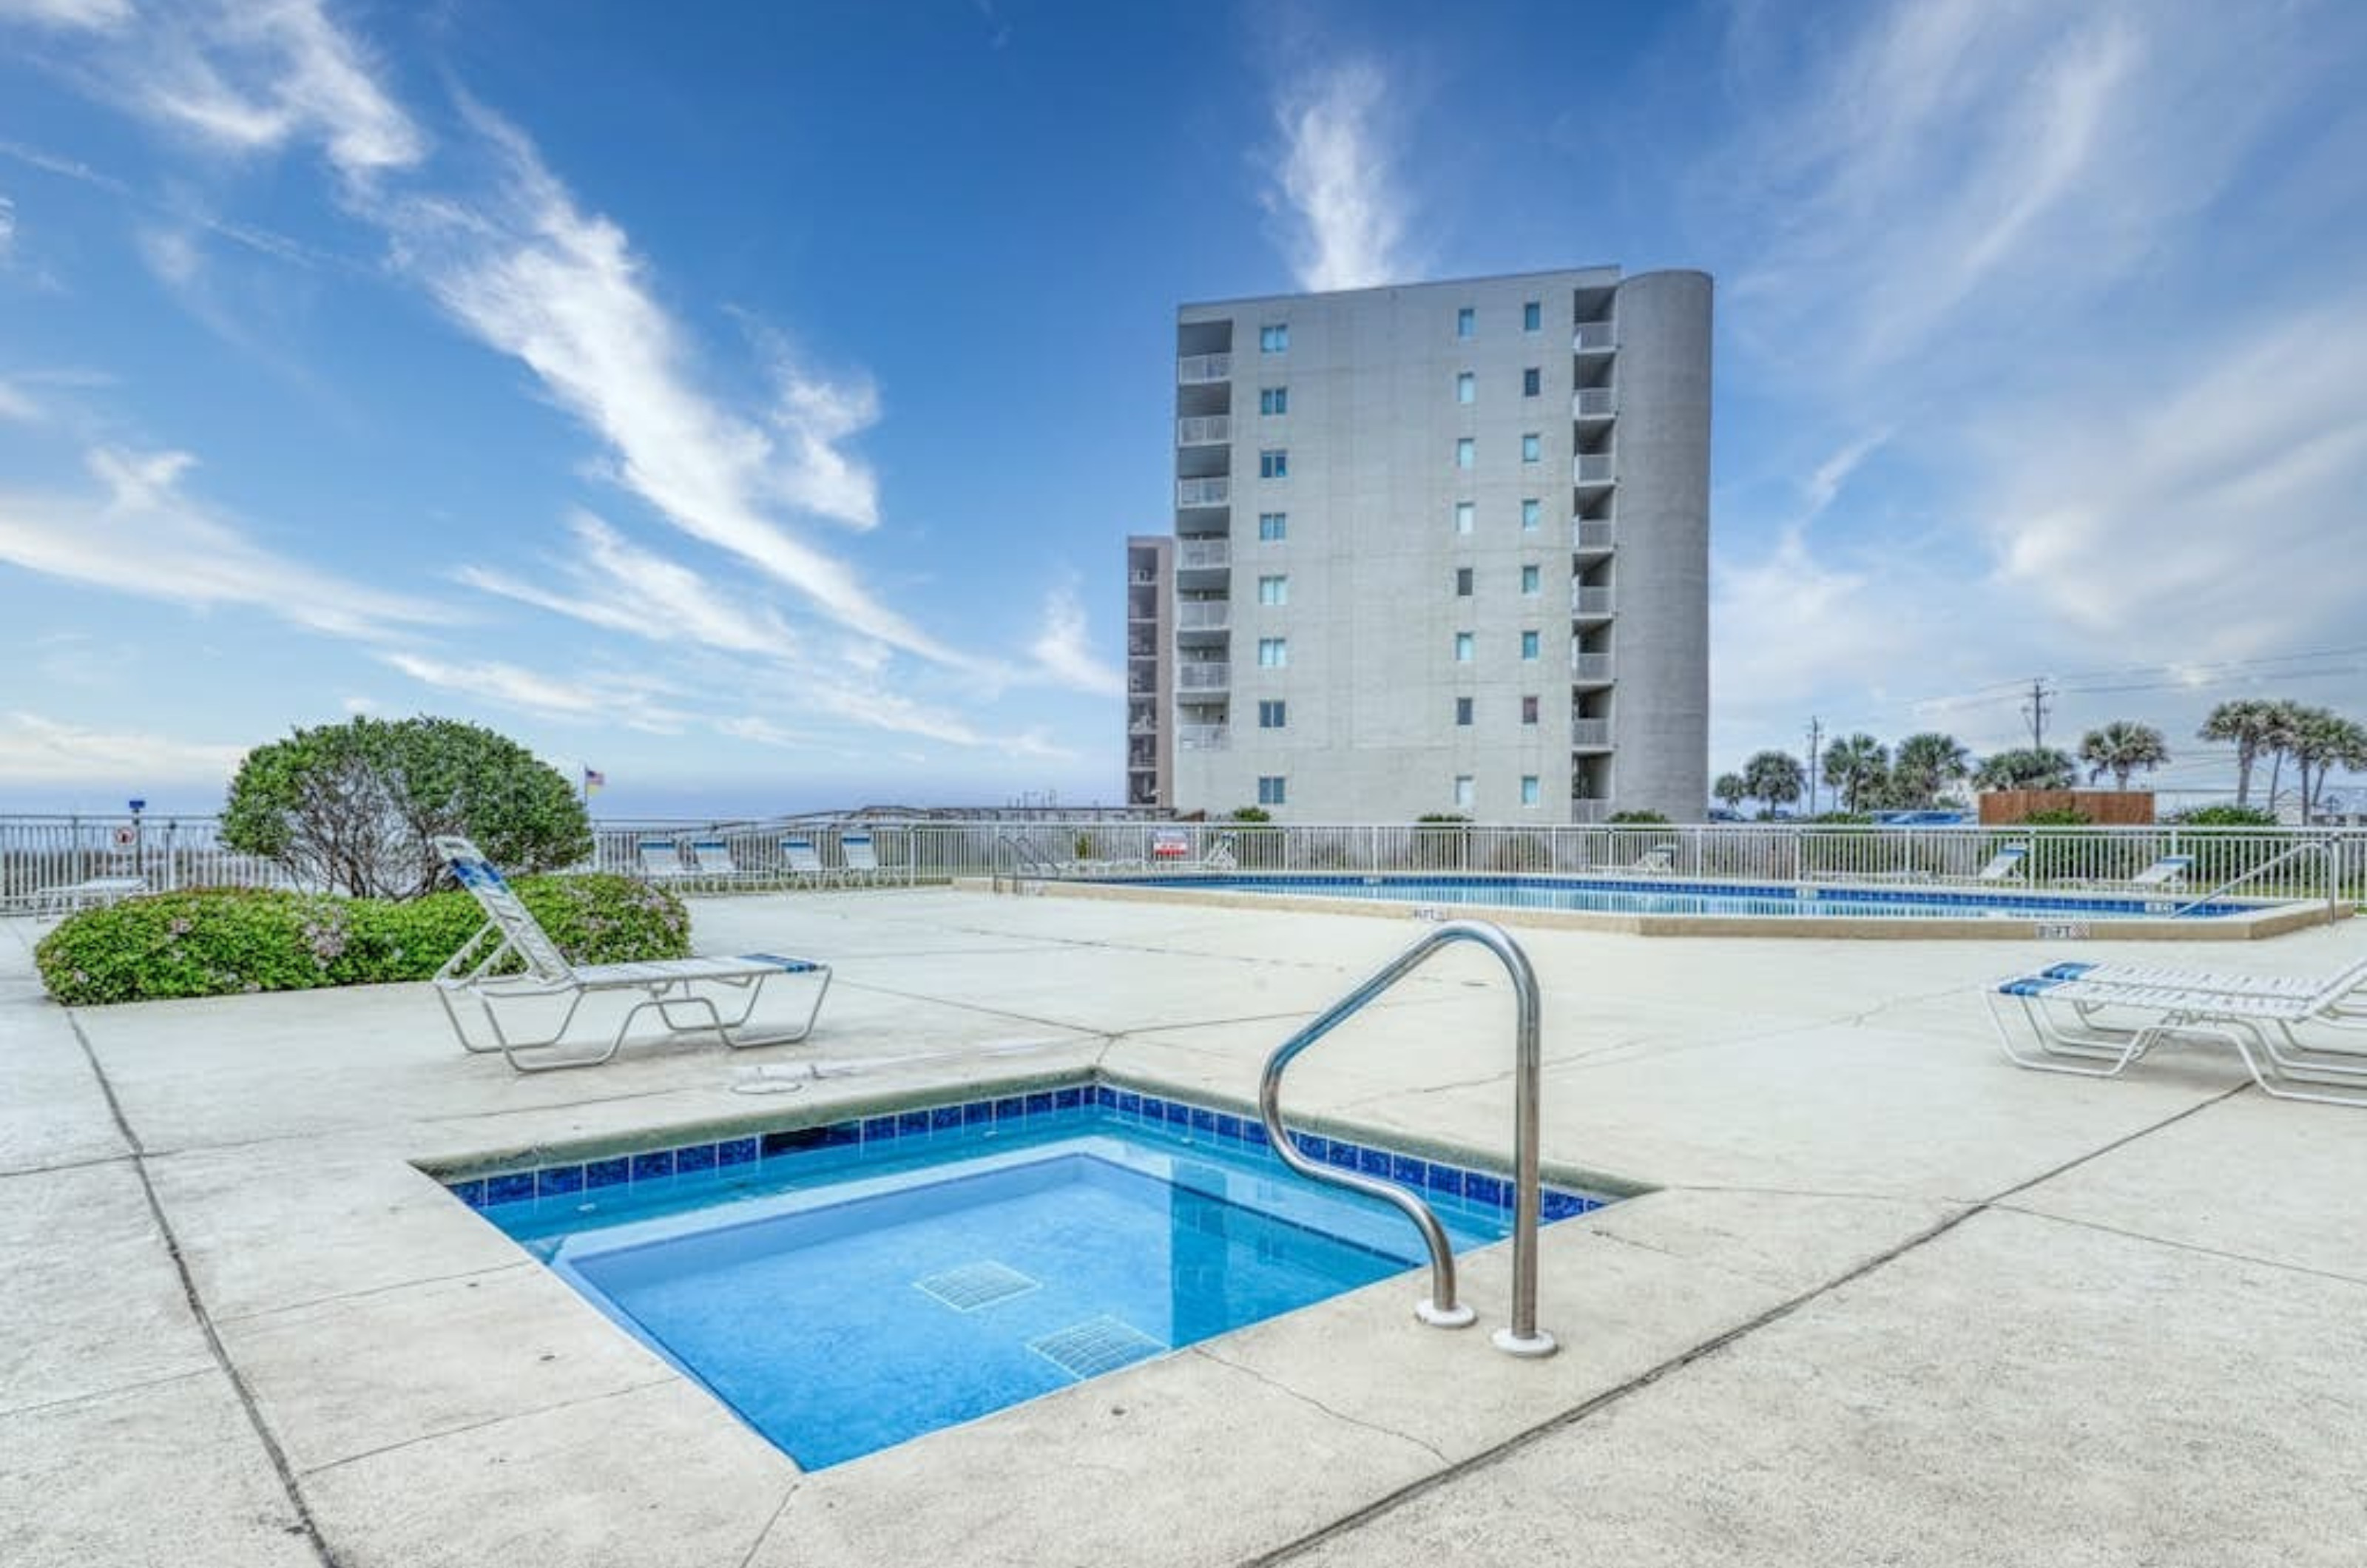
x: 847, y: 1287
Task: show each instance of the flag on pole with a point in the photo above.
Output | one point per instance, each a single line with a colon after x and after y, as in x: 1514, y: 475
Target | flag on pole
x: 594, y: 782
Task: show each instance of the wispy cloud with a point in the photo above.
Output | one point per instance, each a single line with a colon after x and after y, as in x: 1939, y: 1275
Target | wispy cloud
x: 81, y: 16
x: 138, y: 533
x: 1333, y: 187
x: 7, y: 229
x: 16, y: 405
x: 1062, y: 653
x: 36, y: 750
x: 632, y: 701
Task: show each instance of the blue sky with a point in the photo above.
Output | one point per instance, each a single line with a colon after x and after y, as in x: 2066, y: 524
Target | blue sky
x: 751, y: 401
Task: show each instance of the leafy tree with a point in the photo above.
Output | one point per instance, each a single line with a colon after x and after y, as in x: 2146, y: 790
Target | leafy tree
x: 1858, y: 767
x: 1774, y: 777
x: 2122, y: 747
x: 1926, y: 767
x: 2247, y: 723
x: 2325, y: 740
x: 352, y: 807
x: 2027, y: 767
x: 1730, y: 791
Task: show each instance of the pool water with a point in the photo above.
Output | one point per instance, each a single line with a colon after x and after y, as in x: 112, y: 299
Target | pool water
x: 841, y: 1303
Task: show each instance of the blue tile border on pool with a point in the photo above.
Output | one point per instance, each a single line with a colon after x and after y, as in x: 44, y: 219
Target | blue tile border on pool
x: 1483, y: 1189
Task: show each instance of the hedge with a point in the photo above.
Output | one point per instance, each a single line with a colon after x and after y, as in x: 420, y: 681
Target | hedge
x: 211, y: 941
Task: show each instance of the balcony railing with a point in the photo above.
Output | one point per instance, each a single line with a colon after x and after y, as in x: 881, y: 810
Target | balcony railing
x: 1143, y: 727
x: 1590, y: 535
x: 1198, y: 369
x: 1591, y: 468
x: 1202, y: 737
x: 1215, y: 491
x: 1204, y: 555
x: 1589, y: 732
x: 1204, y: 615
x: 1142, y: 761
x: 1590, y: 667
x: 1591, y: 337
x: 1204, y: 430
x: 1589, y: 601
x: 1208, y: 677
x: 1139, y: 576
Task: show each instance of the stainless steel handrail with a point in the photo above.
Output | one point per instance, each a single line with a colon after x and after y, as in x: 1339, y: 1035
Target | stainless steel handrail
x: 2318, y: 847
x: 1022, y: 859
x: 1524, y: 1337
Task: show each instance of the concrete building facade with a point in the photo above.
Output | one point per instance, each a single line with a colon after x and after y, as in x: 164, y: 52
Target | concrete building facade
x: 1442, y: 548
x: 1150, y: 669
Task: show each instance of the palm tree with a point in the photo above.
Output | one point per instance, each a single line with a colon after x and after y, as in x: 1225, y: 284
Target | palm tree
x: 2027, y: 767
x: 2245, y: 723
x: 2325, y: 740
x: 2280, y: 729
x: 2122, y: 747
x: 1856, y: 766
x: 1926, y: 765
x: 1774, y: 777
x: 1730, y: 791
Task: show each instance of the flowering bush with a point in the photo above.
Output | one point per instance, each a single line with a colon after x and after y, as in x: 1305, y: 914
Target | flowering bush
x: 210, y: 941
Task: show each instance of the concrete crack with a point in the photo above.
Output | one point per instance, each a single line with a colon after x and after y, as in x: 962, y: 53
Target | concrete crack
x: 1308, y: 1399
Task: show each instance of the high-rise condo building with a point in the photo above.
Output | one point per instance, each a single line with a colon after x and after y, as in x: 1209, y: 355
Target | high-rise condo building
x: 1442, y: 548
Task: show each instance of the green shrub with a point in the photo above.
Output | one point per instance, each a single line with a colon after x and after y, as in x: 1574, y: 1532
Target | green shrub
x: 1253, y: 814
x: 1636, y: 819
x: 210, y: 941
x: 2056, y: 816
x: 2226, y: 816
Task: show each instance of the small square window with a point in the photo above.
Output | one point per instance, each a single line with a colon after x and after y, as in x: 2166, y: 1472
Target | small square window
x: 1463, y: 648
x: 1529, y: 645
x: 1531, y: 579
x: 1465, y: 514
x: 1466, y: 388
x: 1273, y: 399
x: 1533, y: 447
x: 1273, y: 526
x: 1463, y: 583
x: 1274, y: 338
x: 1465, y: 786
x: 1467, y: 453
x: 1467, y: 322
x: 1274, y: 464
x: 1273, y: 790
x: 1533, y: 381
x: 1274, y: 590
x: 1532, y: 515
x: 1274, y: 652
x: 1270, y: 714
x: 1532, y: 316
x: 1463, y: 712
x: 1528, y: 710
x: 1529, y: 789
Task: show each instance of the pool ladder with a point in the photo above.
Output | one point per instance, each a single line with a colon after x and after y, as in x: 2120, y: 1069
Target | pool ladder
x: 1442, y: 1310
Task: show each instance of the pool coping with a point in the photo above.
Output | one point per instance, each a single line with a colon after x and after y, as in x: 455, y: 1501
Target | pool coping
x: 2250, y: 925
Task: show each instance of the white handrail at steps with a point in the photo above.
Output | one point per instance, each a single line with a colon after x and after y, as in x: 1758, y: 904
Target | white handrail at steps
x: 1524, y: 1337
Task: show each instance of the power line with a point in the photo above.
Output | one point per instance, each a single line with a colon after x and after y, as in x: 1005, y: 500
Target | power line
x: 2035, y: 710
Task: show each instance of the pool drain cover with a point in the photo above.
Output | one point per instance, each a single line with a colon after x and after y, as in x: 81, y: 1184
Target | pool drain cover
x: 976, y: 1285
x: 1096, y: 1346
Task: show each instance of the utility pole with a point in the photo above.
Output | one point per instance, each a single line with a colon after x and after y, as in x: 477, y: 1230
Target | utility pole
x: 2035, y: 710
x: 1816, y: 735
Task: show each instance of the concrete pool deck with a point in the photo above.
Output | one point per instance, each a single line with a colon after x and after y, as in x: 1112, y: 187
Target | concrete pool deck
x: 1893, y: 1300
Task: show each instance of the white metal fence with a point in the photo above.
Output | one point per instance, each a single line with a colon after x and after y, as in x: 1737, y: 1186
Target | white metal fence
x: 42, y: 859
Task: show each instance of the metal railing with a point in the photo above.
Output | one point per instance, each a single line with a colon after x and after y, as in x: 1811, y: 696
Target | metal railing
x: 1589, y: 601
x: 1589, y: 732
x: 1591, y: 337
x: 1202, y: 737
x: 1204, y: 430
x: 1204, y: 615
x: 1204, y: 555
x: 1590, y: 469
x: 1213, y: 492
x: 1590, y: 667
x: 1590, y: 536
x: 1212, y: 677
x: 2318, y: 848
x: 1195, y: 370
x: 1442, y: 1310
x: 1592, y: 403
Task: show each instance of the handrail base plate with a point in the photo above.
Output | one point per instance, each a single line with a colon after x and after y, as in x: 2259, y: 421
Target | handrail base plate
x: 1534, y: 1347
x: 1460, y: 1316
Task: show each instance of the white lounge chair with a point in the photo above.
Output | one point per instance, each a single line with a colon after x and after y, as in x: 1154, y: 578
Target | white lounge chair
x: 525, y: 1015
x: 2065, y: 1011
x: 661, y: 859
x: 2169, y: 872
x: 713, y: 858
x: 91, y: 893
x: 804, y: 863
x: 862, y: 858
x: 1659, y: 860
x: 2008, y: 864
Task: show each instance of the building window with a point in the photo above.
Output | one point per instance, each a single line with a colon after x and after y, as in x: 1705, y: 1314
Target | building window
x: 1532, y: 316
x: 1274, y: 590
x: 1528, y: 710
x: 1529, y: 791
x: 1274, y: 525
x: 1464, y: 787
x: 1467, y: 453
x: 1270, y: 715
x: 1533, y: 381
x: 1274, y: 652
x: 1529, y: 645
x: 1531, y: 515
x: 1271, y: 790
x: 1463, y: 712
x: 1276, y: 400
x: 1273, y: 339
x: 1467, y: 322
x: 1531, y: 579
x: 1274, y: 464
x: 1463, y: 583
x: 1533, y: 447
x: 1463, y: 648
x: 1466, y: 388
x: 1463, y: 514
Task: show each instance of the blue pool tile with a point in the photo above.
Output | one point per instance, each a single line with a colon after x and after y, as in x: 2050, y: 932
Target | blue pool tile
x: 1229, y: 1127
x: 1040, y: 1102
x: 1128, y: 1103
x: 1177, y: 1113
x: 735, y: 1151
x: 1104, y: 1096
x: 909, y: 1122
x: 1313, y: 1146
x: 1153, y: 1108
x: 557, y: 1181
x: 944, y: 1117
x: 1445, y: 1178
x: 1487, y: 1190
x: 1373, y: 1162
x: 653, y: 1165
x: 878, y: 1127
x: 1008, y: 1108
x: 1406, y: 1170
x: 1253, y: 1135
x: 1067, y: 1099
x: 1203, y: 1121
x: 1344, y: 1155
x: 515, y: 1187
x: 693, y: 1157
x: 613, y: 1172
x: 1553, y: 1205
x: 978, y: 1113
x: 470, y: 1192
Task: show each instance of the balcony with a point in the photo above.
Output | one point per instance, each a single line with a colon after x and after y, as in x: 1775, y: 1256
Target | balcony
x: 1142, y: 759
x: 1590, y: 469
x: 1586, y: 811
x: 1204, y: 677
x: 1199, y: 369
x: 1204, y: 430
x: 1214, y: 491
x: 1140, y: 576
x: 1590, y: 669
x: 1591, y: 337
x: 1590, y: 604
x: 1143, y: 727
x: 1204, y: 615
x: 1590, y: 537
x: 1590, y: 735
x: 1141, y: 683
x: 1202, y: 737
x: 1592, y: 403
x: 1204, y: 555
